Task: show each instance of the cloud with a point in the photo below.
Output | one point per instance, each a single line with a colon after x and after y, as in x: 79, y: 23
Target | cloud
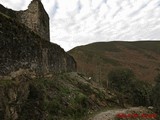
x: 79, y: 22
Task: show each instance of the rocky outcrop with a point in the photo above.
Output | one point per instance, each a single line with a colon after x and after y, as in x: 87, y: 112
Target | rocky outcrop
x: 23, y: 51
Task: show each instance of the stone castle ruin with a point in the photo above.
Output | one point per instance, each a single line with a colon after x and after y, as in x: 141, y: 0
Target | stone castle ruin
x: 35, y: 18
x: 25, y: 45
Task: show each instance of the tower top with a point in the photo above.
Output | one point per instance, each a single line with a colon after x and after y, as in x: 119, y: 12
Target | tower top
x: 35, y: 1
x: 39, y: 1
x: 37, y: 19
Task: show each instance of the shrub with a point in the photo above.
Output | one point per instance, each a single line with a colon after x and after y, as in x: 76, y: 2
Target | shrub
x: 120, y: 78
x: 134, y: 91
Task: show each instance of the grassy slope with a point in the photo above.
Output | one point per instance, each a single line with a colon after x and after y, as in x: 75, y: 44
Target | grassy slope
x: 97, y: 59
x: 68, y: 96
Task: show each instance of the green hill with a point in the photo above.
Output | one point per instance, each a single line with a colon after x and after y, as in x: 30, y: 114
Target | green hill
x: 97, y: 59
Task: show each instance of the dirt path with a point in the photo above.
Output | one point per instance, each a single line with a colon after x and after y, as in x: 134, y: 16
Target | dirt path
x: 111, y: 114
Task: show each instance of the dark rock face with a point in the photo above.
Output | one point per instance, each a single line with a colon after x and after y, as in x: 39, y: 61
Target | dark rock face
x: 22, y: 51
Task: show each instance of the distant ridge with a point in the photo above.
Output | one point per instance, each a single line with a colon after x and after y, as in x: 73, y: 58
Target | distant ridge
x: 143, y: 57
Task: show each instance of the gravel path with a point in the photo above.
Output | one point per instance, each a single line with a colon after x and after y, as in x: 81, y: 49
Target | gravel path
x: 111, y: 114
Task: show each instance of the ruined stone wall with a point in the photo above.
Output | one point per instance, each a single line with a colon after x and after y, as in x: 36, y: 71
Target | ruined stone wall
x: 35, y: 18
x: 22, y: 51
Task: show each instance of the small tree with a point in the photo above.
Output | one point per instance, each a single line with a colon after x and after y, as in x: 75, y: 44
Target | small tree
x: 136, y: 92
x: 120, y: 78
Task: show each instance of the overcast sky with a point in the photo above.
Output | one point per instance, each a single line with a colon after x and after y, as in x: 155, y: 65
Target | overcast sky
x: 79, y: 22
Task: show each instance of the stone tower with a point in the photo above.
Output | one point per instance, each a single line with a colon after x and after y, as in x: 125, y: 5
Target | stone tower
x: 36, y: 18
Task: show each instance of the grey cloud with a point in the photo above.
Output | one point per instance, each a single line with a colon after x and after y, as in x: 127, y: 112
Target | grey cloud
x: 139, y: 10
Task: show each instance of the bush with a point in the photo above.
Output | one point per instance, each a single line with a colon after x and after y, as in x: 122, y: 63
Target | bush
x: 120, y: 79
x: 140, y: 92
x: 134, y: 91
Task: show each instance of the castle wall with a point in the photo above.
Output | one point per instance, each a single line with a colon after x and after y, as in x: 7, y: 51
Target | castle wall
x: 23, y: 51
x: 35, y: 18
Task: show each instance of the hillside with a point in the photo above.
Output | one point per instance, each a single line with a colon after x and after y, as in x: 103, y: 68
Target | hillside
x: 97, y: 59
x: 67, y: 96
